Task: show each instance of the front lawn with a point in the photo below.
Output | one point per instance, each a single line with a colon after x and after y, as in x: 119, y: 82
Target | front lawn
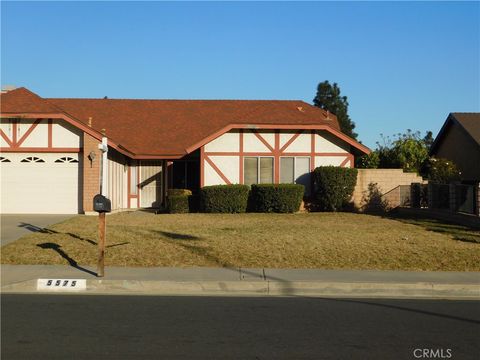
x: 307, y: 240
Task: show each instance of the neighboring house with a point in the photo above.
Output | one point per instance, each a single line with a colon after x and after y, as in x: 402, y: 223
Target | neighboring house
x: 459, y: 141
x: 50, y: 161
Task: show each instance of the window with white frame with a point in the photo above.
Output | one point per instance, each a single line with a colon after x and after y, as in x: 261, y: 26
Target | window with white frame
x: 66, y: 159
x: 257, y: 170
x: 32, y: 159
x: 295, y: 170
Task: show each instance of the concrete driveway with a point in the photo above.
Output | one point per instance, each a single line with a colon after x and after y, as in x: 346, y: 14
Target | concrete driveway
x: 16, y: 225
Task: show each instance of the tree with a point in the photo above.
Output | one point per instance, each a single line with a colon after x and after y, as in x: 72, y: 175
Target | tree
x: 440, y: 171
x: 408, y: 151
x: 328, y: 98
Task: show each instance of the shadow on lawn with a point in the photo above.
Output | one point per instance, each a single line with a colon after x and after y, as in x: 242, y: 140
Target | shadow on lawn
x: 63, y: 254
x: 34, y: 228
x: 177, y: 238
x: 457, y: 232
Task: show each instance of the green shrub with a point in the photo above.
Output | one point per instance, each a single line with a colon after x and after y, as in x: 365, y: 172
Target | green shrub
x: 178, y: 204
x: 281, y: 198
x: 440, y: 171
x: 224, y: 198
x: 334, y: 187
x: 178, y: 192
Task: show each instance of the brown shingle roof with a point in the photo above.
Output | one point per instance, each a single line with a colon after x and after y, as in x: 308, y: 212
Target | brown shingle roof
x: 471, y: 123
x: 168, y: 127
x: 25, y: 101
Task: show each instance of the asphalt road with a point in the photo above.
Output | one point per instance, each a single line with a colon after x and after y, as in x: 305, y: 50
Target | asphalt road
x: 148, y: 327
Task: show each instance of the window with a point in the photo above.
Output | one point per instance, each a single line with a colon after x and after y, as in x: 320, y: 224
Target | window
x: 4, y: 159
x: 258, y: 170
x: 32, y: 159
x: 287, y: 170
x: 66, y: 160
x: 295, y: 170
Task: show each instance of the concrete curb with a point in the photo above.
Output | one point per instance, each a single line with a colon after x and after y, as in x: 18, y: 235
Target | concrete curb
x: 264, y: 288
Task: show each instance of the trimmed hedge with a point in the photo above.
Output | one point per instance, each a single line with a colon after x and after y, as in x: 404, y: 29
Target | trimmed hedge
x: 279, y: 198
x: 179, y: 192
x: 334, y: 187
x: 178, y: 204
x: 224, y: 198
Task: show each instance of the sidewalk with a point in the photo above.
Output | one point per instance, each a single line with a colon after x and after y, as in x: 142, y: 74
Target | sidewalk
x: 249, y: 282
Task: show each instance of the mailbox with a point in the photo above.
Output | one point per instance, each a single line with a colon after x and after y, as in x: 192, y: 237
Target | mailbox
x: 101, y: 204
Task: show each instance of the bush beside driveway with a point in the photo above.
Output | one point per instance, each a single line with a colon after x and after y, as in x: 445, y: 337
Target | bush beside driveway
x: 304, y: 240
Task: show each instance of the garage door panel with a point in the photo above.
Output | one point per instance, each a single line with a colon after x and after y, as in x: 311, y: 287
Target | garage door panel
x: 47, y: 187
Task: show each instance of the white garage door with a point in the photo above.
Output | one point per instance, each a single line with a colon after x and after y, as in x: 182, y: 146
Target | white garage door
x: 39, y: 183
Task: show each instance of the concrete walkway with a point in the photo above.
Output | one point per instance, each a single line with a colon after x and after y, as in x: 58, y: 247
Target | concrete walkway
x: 250, y: 282
x: 14, y: 226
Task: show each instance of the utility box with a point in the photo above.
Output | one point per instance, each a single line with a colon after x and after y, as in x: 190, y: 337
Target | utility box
x: 101, y: 204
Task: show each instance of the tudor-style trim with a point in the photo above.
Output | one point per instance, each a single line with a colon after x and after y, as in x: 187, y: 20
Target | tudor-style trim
x: 327, y: 128
x: 290, y: 141
x: 241, y: 156
x: 202, y: 166
x: 217, y: 170
x: 15, y: 145
x: 284, y: 153
x: 27, y: 133
x: 276, y: 153
x: 276, y: 158
x: 5, y: 137
x: 262, y: 139
x: 50, y: 133
x: 40, y: 150
x: 312, y: 150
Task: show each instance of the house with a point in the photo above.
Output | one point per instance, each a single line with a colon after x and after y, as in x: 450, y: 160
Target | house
x: 459, y: 141
x: 50, y: 159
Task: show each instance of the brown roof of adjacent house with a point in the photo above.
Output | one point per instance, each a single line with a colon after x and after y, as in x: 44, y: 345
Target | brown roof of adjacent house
x: 468, y: 122
x: 169, y: 127
x: 471, y: 123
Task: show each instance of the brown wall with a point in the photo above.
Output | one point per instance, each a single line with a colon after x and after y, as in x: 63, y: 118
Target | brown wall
x: 91, y: 171
x: 387, y: 181
x: 462, y: 150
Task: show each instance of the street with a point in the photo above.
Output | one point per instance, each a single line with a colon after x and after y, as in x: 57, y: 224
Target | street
x: 152, y: 327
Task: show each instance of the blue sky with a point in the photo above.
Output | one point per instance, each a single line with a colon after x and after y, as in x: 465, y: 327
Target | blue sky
x: 402, y: 65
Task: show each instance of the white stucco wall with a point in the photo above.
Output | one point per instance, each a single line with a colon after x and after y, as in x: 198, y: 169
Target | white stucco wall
x: 226, y: 142
x: 301, y: 146
x: 325, y: 142
x: 65, y: 135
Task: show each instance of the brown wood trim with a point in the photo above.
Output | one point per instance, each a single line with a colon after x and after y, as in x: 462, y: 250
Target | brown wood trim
x: 14, y: 131
x: 327, y: 128
x: 247, y: 153
x: 202, y: 166
x: 217, y: 170
x: 291, y: 140
x: 240, y: 158
x: 5, y: 137
x: 344, y: 162
x: 262, y: 139
x: 276, y: 158
x: 50, y: 133
x: 312, y: 150
x: 40, y: 150
x: 28, y: 132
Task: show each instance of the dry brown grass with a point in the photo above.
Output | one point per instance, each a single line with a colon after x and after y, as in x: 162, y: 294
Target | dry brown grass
x: 315, y: 240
